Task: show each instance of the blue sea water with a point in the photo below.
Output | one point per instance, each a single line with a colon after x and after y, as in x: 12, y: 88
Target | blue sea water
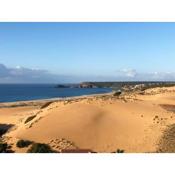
x: 24, y: 92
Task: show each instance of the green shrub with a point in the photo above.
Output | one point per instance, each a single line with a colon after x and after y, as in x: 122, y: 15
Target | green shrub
x: 5, y: 148
x: 40, y: 148
x: 4, y: 128
x: 29, y: 119
x: 46, y: 105
x: 2, y: 131
x: 23, y: 143
x: 117, y: 93
x: 120, y: 151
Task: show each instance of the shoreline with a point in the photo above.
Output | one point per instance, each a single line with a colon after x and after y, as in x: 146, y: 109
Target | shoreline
x: 36, y: 102
x: 39, y: 102
x: 134, y: 122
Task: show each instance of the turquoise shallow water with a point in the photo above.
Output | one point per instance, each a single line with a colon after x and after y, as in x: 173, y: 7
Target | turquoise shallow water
x: 25, y: 92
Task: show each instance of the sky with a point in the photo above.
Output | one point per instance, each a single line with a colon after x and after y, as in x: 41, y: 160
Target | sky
x: 75, y: 52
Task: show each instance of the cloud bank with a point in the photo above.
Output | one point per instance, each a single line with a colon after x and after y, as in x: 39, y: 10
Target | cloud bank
x: 28, y: 75
x: 133, y: 75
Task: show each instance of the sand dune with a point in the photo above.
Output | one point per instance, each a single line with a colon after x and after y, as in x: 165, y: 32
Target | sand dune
x: 100, y: 124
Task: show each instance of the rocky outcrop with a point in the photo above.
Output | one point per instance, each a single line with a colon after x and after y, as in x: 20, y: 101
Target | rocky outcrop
x: 86, y: 85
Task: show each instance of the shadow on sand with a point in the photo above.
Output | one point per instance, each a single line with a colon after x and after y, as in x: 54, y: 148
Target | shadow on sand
x: 170, y: 108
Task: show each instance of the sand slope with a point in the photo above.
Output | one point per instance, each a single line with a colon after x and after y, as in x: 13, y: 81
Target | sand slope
x: 102, y: 124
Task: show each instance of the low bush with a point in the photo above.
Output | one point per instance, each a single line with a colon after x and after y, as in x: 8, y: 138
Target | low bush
x: 2, y: 131
x: 117, y: 93
x: 4, y: 128
x: 29, y: 119
x: 23, y: 143
x: 46, y: 105
x: 5, y: 148
x: 40, y: 148
x: 120, y: 151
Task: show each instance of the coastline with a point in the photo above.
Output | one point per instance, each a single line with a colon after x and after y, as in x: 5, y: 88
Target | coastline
x: 136, y: 122
x: 42, y: 101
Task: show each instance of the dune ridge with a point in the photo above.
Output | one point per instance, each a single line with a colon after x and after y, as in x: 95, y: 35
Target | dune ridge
x: 134, y: 122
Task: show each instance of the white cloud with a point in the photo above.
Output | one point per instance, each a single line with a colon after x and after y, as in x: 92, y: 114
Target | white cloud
x: 133, y: 75
x: 26, y: 75
x: 129, y: 72
x: 18, y: 67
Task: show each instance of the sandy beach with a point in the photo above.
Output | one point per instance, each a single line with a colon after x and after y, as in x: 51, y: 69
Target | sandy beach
x: 133, y: 122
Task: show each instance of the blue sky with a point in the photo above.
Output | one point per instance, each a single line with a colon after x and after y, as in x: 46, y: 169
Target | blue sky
x: 88, y: 51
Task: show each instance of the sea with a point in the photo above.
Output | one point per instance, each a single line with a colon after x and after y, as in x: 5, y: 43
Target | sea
x: 27, y: 92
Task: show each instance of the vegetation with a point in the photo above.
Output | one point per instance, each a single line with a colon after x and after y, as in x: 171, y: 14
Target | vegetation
x: 4, y: 128
x: 2, y: 131
x: 119, y: 85
x: 29, y: 119
x: 40, y: 148
x: 46, y: 104
x: 5, y: 148
x: 117, y: 93
x: 120, y: 151
x: 23, y: 143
